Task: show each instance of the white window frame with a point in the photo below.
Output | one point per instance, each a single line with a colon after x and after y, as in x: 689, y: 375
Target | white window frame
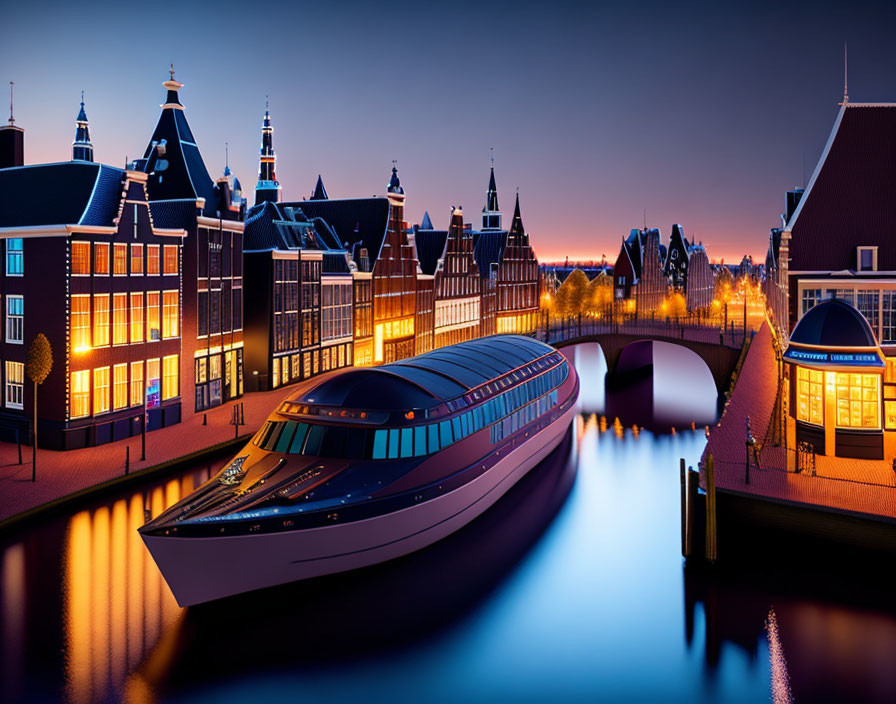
x: 14, y: 390
x: 859, y: 251
x: 15, y: 321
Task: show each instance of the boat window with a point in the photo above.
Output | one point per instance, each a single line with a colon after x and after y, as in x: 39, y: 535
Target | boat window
x: 272, y: 437
x: 393, y: 443
x: 445, y: 433
x: 356, y: 443
x: 456, y: 427
x: 286, y: 436
x: 434, y: 437
x: 264, y: 433
x: 407, y: 442
x: 419, y: 440
x: 379, y: 444
x: 315, y: 437
x: 299, y: 439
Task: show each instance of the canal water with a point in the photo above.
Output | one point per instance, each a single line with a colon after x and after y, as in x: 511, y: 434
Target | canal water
x: 571, y: 588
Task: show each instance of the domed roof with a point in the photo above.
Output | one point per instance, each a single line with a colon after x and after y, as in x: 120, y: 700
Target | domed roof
x: 833, y: 323
x: 370, y: 389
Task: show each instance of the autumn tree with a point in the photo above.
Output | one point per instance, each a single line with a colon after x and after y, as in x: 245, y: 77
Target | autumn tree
x: 38, y: 364
x: 572, y: 296
x: 600, y: 294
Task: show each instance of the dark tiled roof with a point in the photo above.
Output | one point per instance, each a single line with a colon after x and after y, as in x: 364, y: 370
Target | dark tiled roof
x: 833, y: 323
x: 488, y: 248
x: 850, y: 201
x: 172, y: 214
x: 334, y: 263
x: 358, y: 222
x: 430, y: 248
x: 59, y: 194
x: 319, y: 192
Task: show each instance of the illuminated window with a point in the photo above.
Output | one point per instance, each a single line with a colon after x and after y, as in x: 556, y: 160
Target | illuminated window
x: 100, y: 390
x: 890, y: 414
x: 153, y: 329
x: 101, y: 258
x: 15, y: 257
x: 890, y: 371
x: 170, y: 314
x: 80, y: 258
x: 152, y: 259
x: 120, y: 263
x: 101, y: 320
x: 136, y: 259
x: 858, y: 400
x: 810, y: 395
x: 80, y: 323
x: 170, y: 259
x: 120, y: 386
x: 170, y: 386
x: 137, y: 317
x: 79, y: 406
x: 15, y: 384
x: 120, y: 319
x: 15, y: 319
x: 136, y: 383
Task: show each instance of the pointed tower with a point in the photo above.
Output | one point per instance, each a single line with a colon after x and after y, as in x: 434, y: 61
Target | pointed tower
x: 267, y: 188
x: 82, y: 149
x: 12, y: 140
x: 517, y: 236
x: 319, y: 192
x: 491, y: 214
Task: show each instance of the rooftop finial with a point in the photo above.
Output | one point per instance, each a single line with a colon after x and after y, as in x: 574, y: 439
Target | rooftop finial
x: 492, y: 155
x: 226, y: 155
x: 171, y: 72
x: 267, y: 103
x: 845, y: 74
x: 12, y: 120
x: 82, y: 97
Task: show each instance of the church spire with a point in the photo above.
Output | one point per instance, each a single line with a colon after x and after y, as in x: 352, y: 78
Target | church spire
x: 491, y: 213
x: 267, y: 188
x: 517, y: 231
x: 82, y: 149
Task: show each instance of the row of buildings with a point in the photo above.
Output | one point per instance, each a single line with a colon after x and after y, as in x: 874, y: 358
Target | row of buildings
x: 647, y: 271
x: 163, y: 294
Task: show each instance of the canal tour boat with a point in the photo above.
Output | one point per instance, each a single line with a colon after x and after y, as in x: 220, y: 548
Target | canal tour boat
x: 367, y: 465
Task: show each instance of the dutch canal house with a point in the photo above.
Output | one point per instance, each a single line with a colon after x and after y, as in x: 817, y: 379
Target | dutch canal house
x: 85, y: 263
x: 183, y: 196
x: 638, y: 273
x: 837, y: 245
x: 688, y: 271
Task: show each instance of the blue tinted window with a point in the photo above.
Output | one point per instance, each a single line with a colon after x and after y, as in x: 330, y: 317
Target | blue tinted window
x: 456, y: 426
x: 407, y: 442
x: 299, y: 439
x: 379, y: 444
x: 434, y: 437
x: 14, y: 257
x: 286, y: 436
x: 315, y: 436
x: 273, y: 437
x: 393, y: 444
x: 445, y: 433
x: 419, y: 440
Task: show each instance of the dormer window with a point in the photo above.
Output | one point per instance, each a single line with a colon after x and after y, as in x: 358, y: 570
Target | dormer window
x: 867, y: 258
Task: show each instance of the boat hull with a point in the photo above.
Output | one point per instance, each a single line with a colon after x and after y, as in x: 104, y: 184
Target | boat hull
x: 199, y: 569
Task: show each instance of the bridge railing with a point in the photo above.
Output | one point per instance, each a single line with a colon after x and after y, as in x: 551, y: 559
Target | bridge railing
x: 692, y: 329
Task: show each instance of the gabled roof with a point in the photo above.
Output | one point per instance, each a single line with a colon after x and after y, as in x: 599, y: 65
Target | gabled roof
x: 69, y: 193
x: 272, y: 225
x: 517, y: 231
x: 849, y: 201
x: 319, y: 192
x: 357, y: 222
x: 488, y: 249
x: 427, y: 222
x: 430, y: 248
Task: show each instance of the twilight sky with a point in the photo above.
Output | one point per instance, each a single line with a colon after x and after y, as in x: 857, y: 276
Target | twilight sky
x: 700, y: 113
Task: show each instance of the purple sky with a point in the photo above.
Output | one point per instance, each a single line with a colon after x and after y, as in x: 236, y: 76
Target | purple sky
x: 699, y: 113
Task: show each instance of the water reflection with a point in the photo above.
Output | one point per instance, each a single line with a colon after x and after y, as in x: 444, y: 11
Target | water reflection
x: 571, y: 587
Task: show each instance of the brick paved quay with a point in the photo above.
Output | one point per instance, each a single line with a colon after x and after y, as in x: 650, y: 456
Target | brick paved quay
x: 60, y: 474
x: 850, y: 485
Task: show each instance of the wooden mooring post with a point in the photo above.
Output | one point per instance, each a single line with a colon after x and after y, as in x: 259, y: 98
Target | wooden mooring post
x: 712, y: 543
x: 690, y: 482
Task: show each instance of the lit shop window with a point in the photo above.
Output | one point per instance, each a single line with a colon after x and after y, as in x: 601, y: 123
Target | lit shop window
x: 80, y: 323
x: 153, y: 329
x: 101, y: 320
x: 120, y: 386
x: 137, y: 317
x: 170, y: 386
x: 136, y: 259
x: 890, y: 414
x: 15, y: 319
x: 15, y: 257
x: 170, y: 259
x: 152, y: 259
x: 80, y: 394
x: 810, y: 395
x: 120, y: 263
x: 100, y: 390
x: 170, y: 314
x: 136, y: 383
x: 101, y: 258
x: 858, y: 400
x: 15, y: 384
x: 80, y: 258
x: 120, y: 319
